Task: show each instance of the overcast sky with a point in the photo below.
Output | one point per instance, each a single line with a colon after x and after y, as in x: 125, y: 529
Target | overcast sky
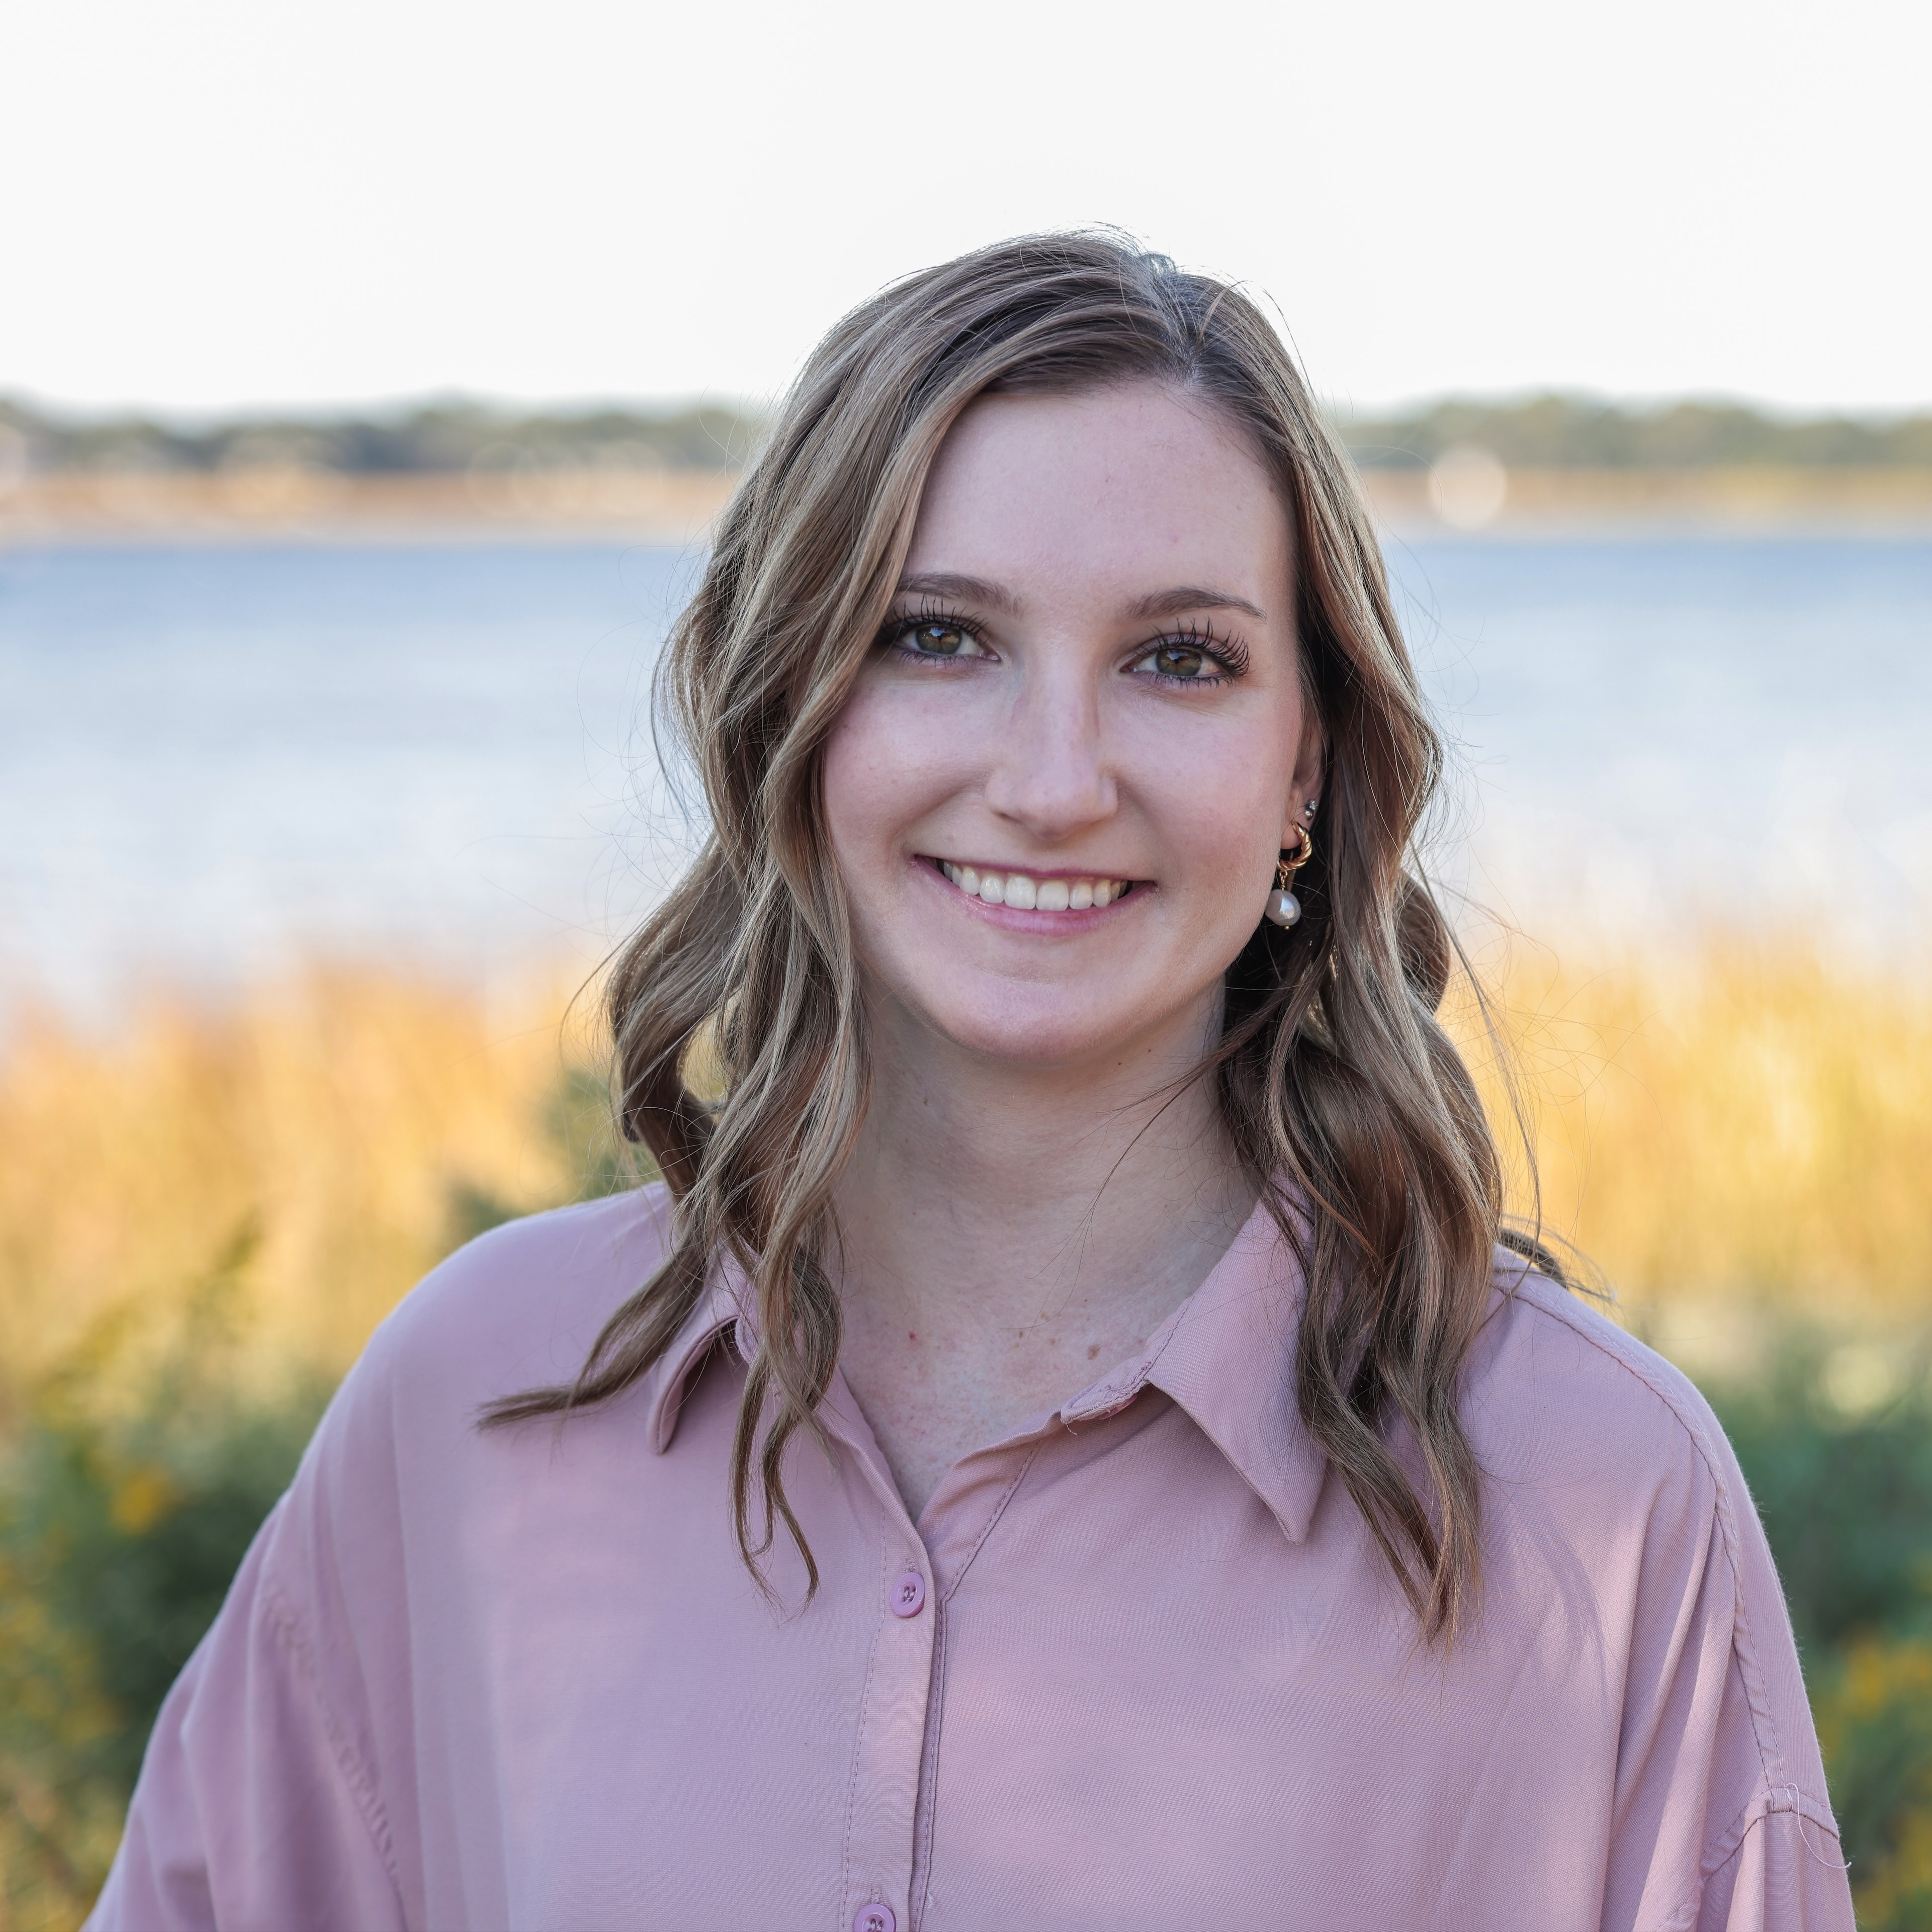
x: 215, y: 202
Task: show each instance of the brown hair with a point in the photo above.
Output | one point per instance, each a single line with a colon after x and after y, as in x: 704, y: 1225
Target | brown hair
x: 1349, y: 1108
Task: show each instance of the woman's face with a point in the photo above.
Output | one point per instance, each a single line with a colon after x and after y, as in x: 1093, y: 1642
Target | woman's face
x: 1058, y: 791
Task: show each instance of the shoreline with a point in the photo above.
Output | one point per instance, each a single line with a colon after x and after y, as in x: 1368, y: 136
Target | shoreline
x: 1740, y: 500
x: 285, y: 504
x: 677, y: 507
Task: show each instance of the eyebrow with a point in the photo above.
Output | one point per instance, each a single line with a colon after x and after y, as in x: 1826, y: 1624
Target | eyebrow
x: 1173, y: 603
x: 1192, y: 597
x: 967, y: 590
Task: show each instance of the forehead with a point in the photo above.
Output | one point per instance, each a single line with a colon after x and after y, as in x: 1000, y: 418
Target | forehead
x: 1136, y: 482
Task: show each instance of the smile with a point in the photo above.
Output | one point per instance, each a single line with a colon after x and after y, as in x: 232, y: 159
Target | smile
x: 1026, y: 893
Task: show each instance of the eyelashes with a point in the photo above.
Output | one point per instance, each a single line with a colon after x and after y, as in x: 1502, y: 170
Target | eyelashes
x: 1204, y: 642
x: 946, y: 631
x: 1191, y: 656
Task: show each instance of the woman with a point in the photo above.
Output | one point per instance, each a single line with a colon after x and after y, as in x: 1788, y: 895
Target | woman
x: 1065, y: 1446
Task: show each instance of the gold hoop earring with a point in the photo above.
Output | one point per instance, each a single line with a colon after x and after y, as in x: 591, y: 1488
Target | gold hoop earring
x: 1283, y: 907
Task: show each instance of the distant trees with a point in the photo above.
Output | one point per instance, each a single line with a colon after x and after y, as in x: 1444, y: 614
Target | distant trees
x: 1552, y: 431
x: 435, y: 436
x: 1568, y: 432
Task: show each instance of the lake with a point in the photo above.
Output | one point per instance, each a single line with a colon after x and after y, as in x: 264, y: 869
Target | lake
x: 215, y: 759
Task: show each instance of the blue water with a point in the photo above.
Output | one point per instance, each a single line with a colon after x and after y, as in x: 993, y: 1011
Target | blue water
x: 215, y: 759
x: 1659, y: 734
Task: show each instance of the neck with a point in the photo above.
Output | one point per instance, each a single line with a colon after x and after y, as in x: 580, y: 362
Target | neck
x: 1009, y: 1233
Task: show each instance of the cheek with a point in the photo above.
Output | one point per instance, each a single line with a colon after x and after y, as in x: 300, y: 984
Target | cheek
x: 851, y: 781
x: 885, y: 764
x: 1228, y: 863
x: 1219, y: 798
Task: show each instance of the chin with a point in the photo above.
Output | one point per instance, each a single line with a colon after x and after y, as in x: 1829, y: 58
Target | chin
x: 1042, y: 1045
x: 1043, y: 1033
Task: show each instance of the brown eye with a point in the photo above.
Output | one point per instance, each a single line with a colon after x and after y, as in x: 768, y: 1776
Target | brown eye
x: 1184, y: 660
x: 938, y: 640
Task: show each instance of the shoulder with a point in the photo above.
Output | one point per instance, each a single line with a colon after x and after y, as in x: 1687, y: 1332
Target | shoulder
x: 1560, y: 1400
x: 1605, y: 1465
x: 522, y: 1304
x: 1546, y: 1354
x: 517, y: 1308
x: 1610, y: 1473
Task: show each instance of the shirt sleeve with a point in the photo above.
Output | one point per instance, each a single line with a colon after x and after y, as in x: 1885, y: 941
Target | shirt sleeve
x: 1724, y: 1822
x: 1786, y: 1871
x: 253, y: 1812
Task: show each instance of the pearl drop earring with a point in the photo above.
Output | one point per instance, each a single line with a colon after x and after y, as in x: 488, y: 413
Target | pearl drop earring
x: 1283, y: 907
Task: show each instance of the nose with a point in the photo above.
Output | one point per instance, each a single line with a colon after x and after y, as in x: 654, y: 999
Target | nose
x: 1050, y: 775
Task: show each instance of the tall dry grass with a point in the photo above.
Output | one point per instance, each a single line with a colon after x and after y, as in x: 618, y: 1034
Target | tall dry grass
x: 1741, y: 1126
x: 1733, y: 1127
x: 316, y: 1139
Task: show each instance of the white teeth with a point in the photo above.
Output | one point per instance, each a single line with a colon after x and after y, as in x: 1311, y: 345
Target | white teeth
x: 1025, y: 893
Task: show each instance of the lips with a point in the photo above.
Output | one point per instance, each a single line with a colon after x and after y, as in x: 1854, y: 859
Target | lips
x: 1027, y: 892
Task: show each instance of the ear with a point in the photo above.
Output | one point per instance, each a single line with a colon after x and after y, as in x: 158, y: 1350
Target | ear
x: 1311, y: 764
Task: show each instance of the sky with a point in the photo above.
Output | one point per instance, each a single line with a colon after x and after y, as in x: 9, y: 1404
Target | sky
x: 216, y: 204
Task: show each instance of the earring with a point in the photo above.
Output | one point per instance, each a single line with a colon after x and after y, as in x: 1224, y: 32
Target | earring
x: 1283, y: 907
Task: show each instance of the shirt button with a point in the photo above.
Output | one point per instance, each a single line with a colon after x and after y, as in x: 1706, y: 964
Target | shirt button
x: 908, y: 1600
x: 875, y: 1918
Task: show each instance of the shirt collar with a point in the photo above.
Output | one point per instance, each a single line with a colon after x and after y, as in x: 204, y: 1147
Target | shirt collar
x: 721, y: 1307
x: 1226, y: 1355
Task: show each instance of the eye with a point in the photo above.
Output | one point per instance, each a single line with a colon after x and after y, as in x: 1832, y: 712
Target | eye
x: 1186, y: 661
x: 937, y: 640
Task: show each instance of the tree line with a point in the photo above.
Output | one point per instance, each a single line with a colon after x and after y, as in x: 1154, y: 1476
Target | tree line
x: 437, y: 436
x: 1547, y: 431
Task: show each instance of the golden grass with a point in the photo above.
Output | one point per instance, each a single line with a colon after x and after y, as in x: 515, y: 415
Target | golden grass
x: 317, y: 1131
x: 1746, y: 1126
x: 1739, y: 1126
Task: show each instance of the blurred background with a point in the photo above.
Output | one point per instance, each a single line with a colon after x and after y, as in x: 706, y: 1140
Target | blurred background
x: 368, y: 377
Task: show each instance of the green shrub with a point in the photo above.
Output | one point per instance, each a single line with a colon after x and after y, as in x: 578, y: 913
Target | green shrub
x: 138, y: 1531
x: 1874, y: 1712
x: 1846, y: 1502
x: 118, y: 1539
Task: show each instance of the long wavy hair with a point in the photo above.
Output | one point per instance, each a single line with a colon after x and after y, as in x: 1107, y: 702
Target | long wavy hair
x: 1350, y: 1110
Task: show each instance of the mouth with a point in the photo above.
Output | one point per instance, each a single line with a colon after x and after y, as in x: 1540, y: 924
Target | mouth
x: 1030, y: 892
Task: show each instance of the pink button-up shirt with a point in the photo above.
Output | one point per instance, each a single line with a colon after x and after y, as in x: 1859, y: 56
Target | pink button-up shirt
x: 1134, y: 1666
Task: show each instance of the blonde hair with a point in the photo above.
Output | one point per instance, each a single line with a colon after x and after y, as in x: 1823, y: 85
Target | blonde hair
x: 1350, y: 1109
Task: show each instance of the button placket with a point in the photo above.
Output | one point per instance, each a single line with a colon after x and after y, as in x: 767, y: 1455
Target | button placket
x: 890, y: 1777
x: 888, y: 1753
